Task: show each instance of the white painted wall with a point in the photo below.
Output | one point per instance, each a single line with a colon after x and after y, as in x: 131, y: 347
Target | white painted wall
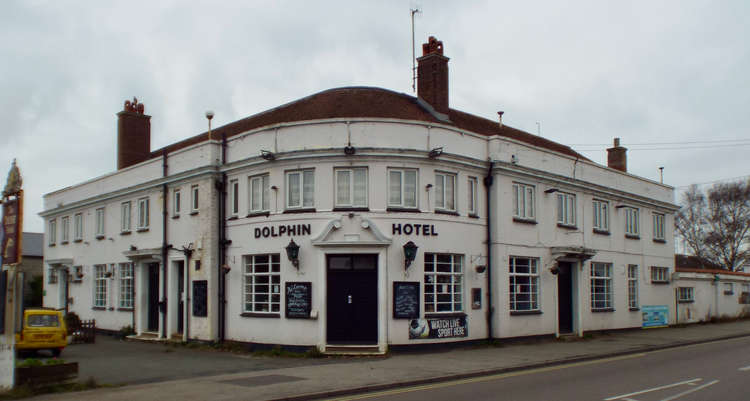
x: 710, y: 299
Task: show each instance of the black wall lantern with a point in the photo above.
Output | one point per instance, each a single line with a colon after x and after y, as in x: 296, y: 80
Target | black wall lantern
x: 292, y: 252
x: 410, y: 253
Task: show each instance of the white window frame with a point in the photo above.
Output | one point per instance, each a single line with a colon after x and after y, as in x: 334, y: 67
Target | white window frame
x: 659, y: 274
x: 78, y: 227
x: 262, y: 199
x: 261, y: 289
x: 65, y: 225
x: 728, y: 288
x: 632, y: 221
x: 659, y: 228
x: 402, y: 203
x: 472, y: 192
x: 566, y: 209
x: 52, y: 232
x: 52, y: 275
x: 633, y: 301
x: 144, y: 213
x: 524, y: 199
x: 99, y: 213
x: 126, y: 286
x: 601, y: 287
x: 685, y: 294
x: 125, y: 217
x: 194, y: 199
x: 439, y: 285
x: 445, y: 191
x: 523, y: 286
x: 353, y: 190
x: 100, y: 286
x: 234, y: 197
x: 176, y: 202
x: 306, y: 198
x: 601, y: 215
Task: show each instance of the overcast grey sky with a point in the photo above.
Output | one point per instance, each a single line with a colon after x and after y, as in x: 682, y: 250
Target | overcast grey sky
x: 673, y: 72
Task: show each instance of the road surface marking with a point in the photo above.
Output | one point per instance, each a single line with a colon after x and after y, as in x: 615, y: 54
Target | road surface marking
x: 482, y: 378
x: 623, y: 396
x: 746, y: 368
x: 692, y: 390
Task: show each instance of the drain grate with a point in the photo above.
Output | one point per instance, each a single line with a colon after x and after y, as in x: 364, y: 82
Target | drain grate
x: 262, y: 380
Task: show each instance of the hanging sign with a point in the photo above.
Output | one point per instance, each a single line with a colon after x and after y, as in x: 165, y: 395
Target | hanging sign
x: 448, y: 327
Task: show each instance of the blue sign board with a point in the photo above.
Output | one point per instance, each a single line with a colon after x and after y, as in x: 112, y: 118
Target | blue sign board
x: 655, y: 316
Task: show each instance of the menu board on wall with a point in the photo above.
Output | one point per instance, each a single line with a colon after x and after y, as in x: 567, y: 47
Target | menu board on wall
x: 298, y: 300
x: 405, y: 299
x: 200, y: 298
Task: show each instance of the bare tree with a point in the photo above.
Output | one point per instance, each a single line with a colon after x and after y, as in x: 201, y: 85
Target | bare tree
x: 716, y: 225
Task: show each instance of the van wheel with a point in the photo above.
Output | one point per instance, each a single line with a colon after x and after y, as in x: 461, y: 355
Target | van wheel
x: 56, y: 352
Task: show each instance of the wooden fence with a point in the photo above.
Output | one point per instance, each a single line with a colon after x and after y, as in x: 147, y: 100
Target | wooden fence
x: 84, y: 332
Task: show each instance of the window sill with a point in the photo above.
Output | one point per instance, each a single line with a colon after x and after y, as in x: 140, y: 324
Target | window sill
x: 524, y: 221
x: 142, y: 230
x: 232, y: 218
x: 64, y: 243
x: 660, y: 241
x: 193, y: 213
x: 602, y: 310
x: 403, y: 209
x: 660, y: 282
x: 177, y: 216
x: 125, y: 309
x: 567, y: 226
x: 601, y: 232
x: 525, y: 312
x: 275, y: 315
x: 351, y: 209
x: 632, y: 236
x: 300, y: 210
x: 98, y: 308
x: 51, y: 245
x: 256, y: 214
x: 437, y: 315
x: 449, y: 212
x: 686, y: 301
x: 77, y: 240
x: 634, y: 309
x: 100, y: 237
x: 473, y: 215
x: 125, y: 232
x: 728, y: 292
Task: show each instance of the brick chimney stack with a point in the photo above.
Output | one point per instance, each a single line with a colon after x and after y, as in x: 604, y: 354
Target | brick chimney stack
x: 432, y: 75
x: 617, y: 157
x: 133, y: 135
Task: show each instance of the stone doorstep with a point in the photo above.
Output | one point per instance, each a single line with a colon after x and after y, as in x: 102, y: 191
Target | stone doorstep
x: 353, y: 350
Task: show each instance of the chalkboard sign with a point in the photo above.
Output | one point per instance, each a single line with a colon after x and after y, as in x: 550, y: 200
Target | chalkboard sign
x: 200, y: 298
x: 298, y: 300
x: 405, y: 299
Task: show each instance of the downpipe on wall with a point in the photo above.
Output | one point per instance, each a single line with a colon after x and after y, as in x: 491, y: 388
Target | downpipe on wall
x: 221, y: 186
x: 488, y: 180
x: 164, y: 247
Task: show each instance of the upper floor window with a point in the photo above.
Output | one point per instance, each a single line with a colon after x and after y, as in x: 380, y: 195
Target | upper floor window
x: 601, y: 215
x: 78, y: 227
x: 143, y: 213
x: 445, y: 191
x: 65, y: 222
x: 402, y: 188
x: 351, y: 187
x: 601, y: 286
x: 658, y: 226
x: 566, y: 209
x: 472, y: 191
x: 631, y: 221
x: 125, y: 217
x: 659, y: 274
x: 176, y: 202
x: 259, y: 194
x: 234, y: 196
x: 300, y: 191
x: 523, y: 201
x: 194, y: 199
x: 443, y: 282
x: 52, y: 232
x: 100, y: 222
x: 523, y: 274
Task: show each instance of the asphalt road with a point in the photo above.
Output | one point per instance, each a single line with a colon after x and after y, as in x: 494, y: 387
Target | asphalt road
x: 714, y: 371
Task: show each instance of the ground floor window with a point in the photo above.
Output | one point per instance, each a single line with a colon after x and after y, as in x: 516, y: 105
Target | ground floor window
x: 685, y: 294
x: 262, y: 283
x: 601, y: 286
x: 633, y: 286
x: 524, y: 283
x: 126, y: 285
x: 100, y: 286
x: 443, y: 282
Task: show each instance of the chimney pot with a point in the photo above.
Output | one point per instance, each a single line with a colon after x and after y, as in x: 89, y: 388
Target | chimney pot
x: 617, y: 157
x: 432, y: 75
x: 500, y: 117
x: 133, y: 134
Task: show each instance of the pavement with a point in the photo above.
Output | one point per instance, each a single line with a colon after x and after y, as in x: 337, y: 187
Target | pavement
x: 339, y: 377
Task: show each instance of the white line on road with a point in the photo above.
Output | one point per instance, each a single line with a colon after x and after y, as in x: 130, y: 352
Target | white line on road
x: 746, y: 368
x: 692, y: 390
x: 620, y: 397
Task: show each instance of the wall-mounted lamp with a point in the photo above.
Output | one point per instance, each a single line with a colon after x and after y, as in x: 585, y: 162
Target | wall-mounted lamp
x: 555, y: 270
x: 292, y: 252
x: 410, y: 253
x: 435, y: 153
x: 514, y: 159
x: 270, y: 156
x: 551, y: 190
x: 427, y: 187
x: 225, y: 268
x: 133, y: 248
x: 349, y: 150
x: 480, y: 268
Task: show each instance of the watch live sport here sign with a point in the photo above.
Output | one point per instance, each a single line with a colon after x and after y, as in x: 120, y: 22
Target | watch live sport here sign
x: 448, y: 327
x: 655, y: 316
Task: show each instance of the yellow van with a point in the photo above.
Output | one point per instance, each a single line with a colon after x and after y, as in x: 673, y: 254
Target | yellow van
x: 42, y: 329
